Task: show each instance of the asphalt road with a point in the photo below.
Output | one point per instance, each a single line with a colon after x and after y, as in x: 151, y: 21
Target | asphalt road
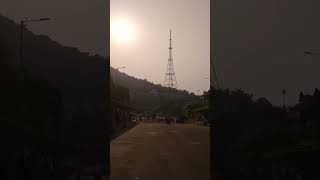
x: 158, y: 151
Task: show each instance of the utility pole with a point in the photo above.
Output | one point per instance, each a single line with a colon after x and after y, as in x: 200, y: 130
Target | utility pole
x: 116, y: 78
x: 283, y: 99
x: 213, y: 76
x: 21, y: 45
x: 22, y: 26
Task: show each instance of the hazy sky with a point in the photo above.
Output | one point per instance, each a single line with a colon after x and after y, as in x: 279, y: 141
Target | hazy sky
x: 145, y: 56
x: 259, y: 45
x: 83, y: 24
x: 76, y: 23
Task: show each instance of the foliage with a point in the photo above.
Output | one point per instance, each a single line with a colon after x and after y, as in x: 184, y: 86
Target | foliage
x: 61, y: 95
x: 140, y: 92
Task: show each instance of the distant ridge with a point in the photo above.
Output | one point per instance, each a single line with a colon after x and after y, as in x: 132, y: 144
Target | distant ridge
x: 146, y: 95
x: 142, y: 85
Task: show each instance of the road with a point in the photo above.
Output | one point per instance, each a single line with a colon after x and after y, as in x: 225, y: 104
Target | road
x: 158, y: 151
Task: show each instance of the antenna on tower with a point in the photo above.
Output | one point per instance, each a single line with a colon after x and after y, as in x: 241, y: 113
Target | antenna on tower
x: 170, y: 77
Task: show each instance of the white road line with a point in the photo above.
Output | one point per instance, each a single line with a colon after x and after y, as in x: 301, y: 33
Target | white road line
x: 194, y: 142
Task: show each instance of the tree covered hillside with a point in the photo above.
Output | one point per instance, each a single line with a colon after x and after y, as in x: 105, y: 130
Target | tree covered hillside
x: 79, y: 78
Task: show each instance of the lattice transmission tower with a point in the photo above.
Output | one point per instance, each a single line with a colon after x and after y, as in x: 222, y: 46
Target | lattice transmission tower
x: 170, y: 78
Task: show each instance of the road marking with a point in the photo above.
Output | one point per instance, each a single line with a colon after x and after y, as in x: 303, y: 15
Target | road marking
x: 194, y: 142
x: 127, y: 142
x: 174, y: 131
x: 152, y: 133
x: 122, y: 142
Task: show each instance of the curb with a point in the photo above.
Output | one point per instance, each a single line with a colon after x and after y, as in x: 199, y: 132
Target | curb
x: 116, y: 135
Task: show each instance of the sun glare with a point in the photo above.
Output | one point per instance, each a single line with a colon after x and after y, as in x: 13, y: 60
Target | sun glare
x: 122, y: 31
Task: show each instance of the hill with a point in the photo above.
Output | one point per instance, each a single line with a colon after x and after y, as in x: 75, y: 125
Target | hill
x: 79, y: 78
x: 145, y: 95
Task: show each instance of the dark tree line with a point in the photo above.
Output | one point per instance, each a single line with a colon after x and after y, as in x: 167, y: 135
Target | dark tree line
x: 252, y: 137
x: 57, y: 104
x: 31, y: 113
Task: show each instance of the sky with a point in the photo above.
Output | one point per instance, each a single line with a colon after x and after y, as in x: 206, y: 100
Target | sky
x: 259, y: 46
x: 76, y: 23
x: 256, y: 45
x: 145, y: 54
x: 84, y: 24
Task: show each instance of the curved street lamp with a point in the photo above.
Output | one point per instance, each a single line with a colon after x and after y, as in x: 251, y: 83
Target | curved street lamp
x: 23, y: 23
x: 312, y: 53
x: 117, y: 69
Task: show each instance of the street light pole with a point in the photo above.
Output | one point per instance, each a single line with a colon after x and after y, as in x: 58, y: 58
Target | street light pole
x: 284, y: 99
x: 117, y: 69
x: 22, y: 25
x: 21, y: 44
x: 312, y: 53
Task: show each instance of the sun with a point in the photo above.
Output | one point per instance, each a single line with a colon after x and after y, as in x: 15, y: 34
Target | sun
x: 122, y: 31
